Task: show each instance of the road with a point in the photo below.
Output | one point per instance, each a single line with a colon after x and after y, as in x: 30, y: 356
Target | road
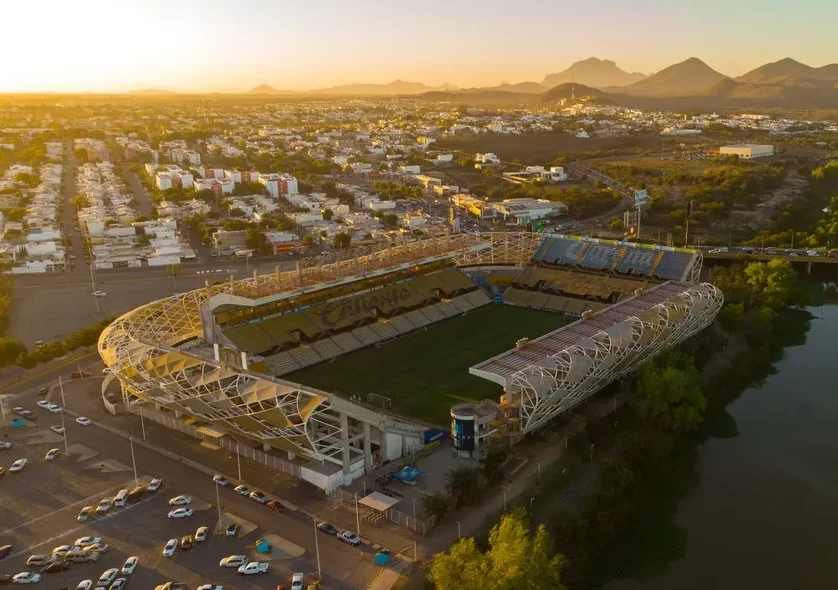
x: 142, y: 529
x: 68, y: 212
x: 145, y: 204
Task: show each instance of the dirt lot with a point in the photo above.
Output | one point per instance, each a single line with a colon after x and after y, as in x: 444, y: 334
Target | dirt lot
x: 541, y: 148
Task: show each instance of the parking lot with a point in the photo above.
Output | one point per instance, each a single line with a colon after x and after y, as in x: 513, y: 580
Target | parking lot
x: 42, y: 503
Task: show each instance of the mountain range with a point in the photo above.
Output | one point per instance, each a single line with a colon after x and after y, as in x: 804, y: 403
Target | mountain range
x: 597, y: 73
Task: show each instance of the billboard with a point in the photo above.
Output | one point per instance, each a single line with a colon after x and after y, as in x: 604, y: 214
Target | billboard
x: 640, y: 196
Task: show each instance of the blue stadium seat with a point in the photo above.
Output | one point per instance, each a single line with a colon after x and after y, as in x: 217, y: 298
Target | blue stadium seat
x: 637, y: 261
x: 673, y: 265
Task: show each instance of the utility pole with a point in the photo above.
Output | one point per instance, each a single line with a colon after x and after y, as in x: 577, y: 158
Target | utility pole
x: 133, y: 460
x: 239, y: 461
x: 218, y: 503
x: 357, y: 515
x: 142, y: 422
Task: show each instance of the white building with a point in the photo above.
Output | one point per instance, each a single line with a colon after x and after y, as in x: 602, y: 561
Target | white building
x: 747, y: 151
x: 488, y: 158
x: 523, y: 211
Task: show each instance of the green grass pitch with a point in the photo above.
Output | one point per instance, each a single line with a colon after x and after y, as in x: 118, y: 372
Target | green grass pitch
x: 426, y: 372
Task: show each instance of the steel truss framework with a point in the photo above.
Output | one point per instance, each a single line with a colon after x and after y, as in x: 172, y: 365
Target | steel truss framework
x: 157, y: 353
x: 570, y: 376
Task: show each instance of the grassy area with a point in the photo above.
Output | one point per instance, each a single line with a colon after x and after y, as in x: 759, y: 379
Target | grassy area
x: 427, y: 372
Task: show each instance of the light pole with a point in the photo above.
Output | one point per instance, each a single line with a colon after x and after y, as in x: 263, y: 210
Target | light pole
x: 504, y: 500
x: 142, y: 422
x: 317, y: 547
x: 238, y: 461
x: 357, y: 515
x: 531, y: 501
x: 133, y: 459
x: 592, y: 453
x: 538, y: 472
x: 63, y: 407
x: 218, y: 503
x: 459, y: 532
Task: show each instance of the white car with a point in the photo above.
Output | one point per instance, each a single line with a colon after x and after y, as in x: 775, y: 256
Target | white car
x: 99, y: 294
x: 242, y: 490
x: 170, y: 547
x: 104, y: 505
x: 220, y: 480
x: 201, y: 534
x: 118, y: 584
x: 17, y: 466
x: 42, y: 403
x: 54, y: 408
x: 96, y: 548
x: 85, y: 585
x: 82, y: 541
x: 57, y: 429
x: 180, y: 513
x: 26, y: 578
x: 155, y: 484
x: 63, y: 551
x: 51, y: 454
x: 40, y: 560
x: 129, y: 566
x: 297, y: 582
x: 349, y: 537
x: 233, y: 561
x: 107, y: 577
x: 210, y: 587
x: 180, y: 500
x: 83, y: 420
x: 259, y: 497
x: 5, y: 445
x: 254, y: 567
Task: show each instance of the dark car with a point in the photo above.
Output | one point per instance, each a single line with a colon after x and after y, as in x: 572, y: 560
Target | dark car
x: 186, y: 542
x: 55, y: 567
x: 274, y: 505
x: 137, y: 493
x: 5, y: 550
x: 5, y: 579
x: 29, y: 415
x: 43, y: 391
x: 327, y: 528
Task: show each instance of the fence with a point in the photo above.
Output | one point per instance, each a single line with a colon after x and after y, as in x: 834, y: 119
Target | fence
x: 342, y: 497
x: 224, y: 442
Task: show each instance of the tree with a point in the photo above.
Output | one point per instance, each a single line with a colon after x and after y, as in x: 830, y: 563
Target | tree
x: 669, y: 395
x: 774, y: 283
x: 390, y: 219
x: 463, y: 485
x: 255, y: 239
x: 236, y: 212
x: 308, y: 240
x: 732, y: 315
x: 493, y: 464
x: 342, y: 240
x: 435, y: 505
x: 328, y: 214
x: 515, y: 559
x: 79, y: 201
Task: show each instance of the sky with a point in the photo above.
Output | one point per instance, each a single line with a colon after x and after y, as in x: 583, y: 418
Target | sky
x: 233, y: 45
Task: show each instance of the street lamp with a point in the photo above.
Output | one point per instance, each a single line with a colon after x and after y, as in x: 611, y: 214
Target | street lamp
x: 316, y: 547
x: 63, y: 407
x: 357, y: 514
x: 459, y: 533
x: 133, y: 459
x: 238, y: 461
x: 142, y: 422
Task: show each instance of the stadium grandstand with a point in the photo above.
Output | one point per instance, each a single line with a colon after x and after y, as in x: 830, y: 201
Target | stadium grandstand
x: 217, y: 354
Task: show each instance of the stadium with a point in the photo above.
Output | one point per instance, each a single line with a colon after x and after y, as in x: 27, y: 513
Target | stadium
x: 345, y: 364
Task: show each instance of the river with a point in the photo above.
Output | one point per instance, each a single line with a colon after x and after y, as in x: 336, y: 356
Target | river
x: 764, y: 514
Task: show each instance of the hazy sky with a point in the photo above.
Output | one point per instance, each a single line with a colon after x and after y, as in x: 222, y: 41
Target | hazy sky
x: 232, y: 45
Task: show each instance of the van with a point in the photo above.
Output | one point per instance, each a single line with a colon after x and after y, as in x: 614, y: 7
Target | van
x: 119, y: 499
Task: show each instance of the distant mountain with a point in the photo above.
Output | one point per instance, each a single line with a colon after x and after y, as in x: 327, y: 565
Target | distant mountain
x: 150, y: 91
x: 569, y: 90
x: 686, y: 77
x: 266, y: 89
x: 789, y: 72
x: 395, y: 87
x: 598, y: 73
x: 479, y: 96
x: 523, y: 87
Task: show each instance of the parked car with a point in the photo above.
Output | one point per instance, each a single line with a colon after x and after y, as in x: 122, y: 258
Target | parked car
x: 259, y: 497
x: 232, y: 530
x: 253, y: 568
x: 5, y: 445
x: 83, y: 557
x: 169, y: 548
x: 349, y: 537
x: 40, y: 560
x: 187, y: 542
x: 235, y: 561
x: 55, y: 567
x: 85, y: 514
x: 180, y: 513
x: 83, y: 421
x: 104, y: 505
x: 54, y: 408
x: 4, y: 551
x: 26, y: 578
x: 242, y: 489
x: 220, y: 480
x: 276, y: 506
x: 297, y: 582
x: 17, y: 466
x: 201, y: 534
x: 155, y: 484
x: 118, y: 584
x: 180, y: 500
x: 85, y: 585
x: 82, y: 541
x: 136, y: 493
x: 107, y: 577
x: 43, y: 391
x: 129, y: 566
x: 97, y: 548
x: 57, y: 429
x: 42, y: 403
x: 327, y: 528
x: 51, y: 454
x: 63, y: 551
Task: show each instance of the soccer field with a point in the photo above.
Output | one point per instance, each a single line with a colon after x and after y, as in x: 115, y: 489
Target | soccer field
x: 426, y: 372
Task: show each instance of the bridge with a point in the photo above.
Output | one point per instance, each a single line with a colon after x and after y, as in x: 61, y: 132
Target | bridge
x: 802, y: 263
